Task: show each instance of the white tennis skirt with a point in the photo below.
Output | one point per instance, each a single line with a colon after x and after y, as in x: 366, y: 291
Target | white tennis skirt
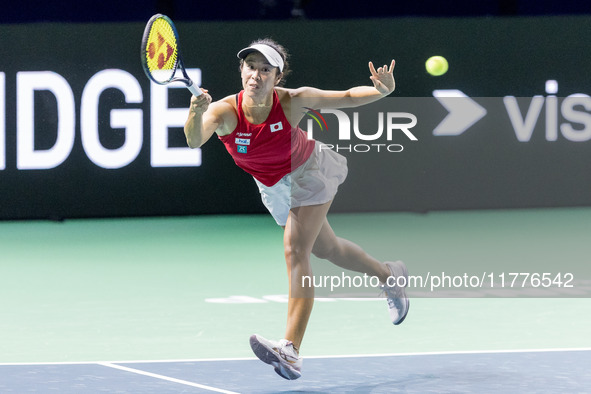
x: 313, y: 183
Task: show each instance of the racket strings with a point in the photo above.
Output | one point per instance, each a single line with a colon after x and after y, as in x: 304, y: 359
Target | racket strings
x: 161, y: 50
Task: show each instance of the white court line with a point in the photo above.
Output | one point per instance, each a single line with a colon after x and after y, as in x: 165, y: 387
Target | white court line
x: 583, y: 349
x: 167, y: 378
x: 458, y: 352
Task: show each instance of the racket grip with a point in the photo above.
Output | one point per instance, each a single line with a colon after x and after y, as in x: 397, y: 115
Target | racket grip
x: 195, y: 90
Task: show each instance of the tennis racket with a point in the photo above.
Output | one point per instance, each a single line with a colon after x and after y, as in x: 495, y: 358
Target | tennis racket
x: 161, y: 57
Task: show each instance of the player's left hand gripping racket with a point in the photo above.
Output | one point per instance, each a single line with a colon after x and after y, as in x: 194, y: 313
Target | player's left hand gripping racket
x: 160, y: 53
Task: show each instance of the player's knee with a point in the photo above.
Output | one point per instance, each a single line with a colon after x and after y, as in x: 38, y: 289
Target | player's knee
x: 295, y: 253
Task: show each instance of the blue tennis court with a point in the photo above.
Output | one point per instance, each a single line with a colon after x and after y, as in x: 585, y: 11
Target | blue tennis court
x: 543, y: 371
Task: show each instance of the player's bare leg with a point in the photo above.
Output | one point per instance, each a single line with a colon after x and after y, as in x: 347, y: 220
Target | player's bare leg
x: 347, y: 254
x: 302, y: 229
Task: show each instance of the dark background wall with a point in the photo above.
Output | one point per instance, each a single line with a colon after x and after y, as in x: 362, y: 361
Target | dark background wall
x: 191, y: 10
x: 487, y: 166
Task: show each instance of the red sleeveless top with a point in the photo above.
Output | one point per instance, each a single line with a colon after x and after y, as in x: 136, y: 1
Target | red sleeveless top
x: 270, y: 150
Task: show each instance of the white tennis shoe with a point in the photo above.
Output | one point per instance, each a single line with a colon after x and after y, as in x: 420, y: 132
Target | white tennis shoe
x: 282, y: 355
x: 398, y: 303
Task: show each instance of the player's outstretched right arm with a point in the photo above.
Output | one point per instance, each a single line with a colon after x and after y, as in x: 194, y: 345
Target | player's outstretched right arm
x: 206, y: 118
x: 199, y: 127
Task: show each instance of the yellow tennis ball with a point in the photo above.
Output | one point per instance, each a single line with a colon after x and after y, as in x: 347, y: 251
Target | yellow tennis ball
x: 436, y: 65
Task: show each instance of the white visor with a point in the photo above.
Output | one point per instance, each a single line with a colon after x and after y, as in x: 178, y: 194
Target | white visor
x: 272, y: 56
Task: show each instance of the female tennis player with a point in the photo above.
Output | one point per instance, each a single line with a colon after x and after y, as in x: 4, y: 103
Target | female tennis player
x: 296, y: 179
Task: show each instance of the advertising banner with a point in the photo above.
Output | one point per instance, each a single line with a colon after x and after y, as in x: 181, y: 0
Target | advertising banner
x: 84, y: 133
